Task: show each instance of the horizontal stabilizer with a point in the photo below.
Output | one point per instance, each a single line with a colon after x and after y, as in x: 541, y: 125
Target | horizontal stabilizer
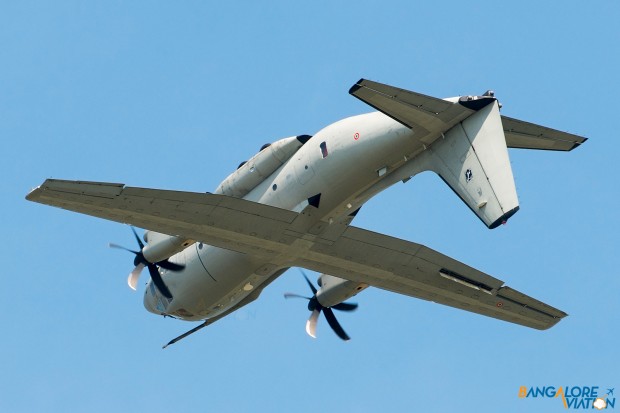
x: 424, y: 115
x: 428, y: 115
x: 525, y: 135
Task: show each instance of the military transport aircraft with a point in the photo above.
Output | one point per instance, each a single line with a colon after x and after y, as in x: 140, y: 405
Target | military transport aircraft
x: 291, y: 205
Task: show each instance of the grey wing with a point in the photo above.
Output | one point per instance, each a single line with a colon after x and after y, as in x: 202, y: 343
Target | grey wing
x: 285, y: 238
x: 418, y: 271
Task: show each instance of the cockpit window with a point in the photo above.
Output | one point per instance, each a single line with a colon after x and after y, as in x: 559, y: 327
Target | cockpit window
x: 324, y: 149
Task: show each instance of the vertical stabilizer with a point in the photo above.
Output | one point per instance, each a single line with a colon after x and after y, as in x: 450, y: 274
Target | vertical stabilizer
x: 472, y: 158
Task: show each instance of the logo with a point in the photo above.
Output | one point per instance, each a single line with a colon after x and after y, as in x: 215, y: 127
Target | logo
x: 468, y: 175
x: 573, y: 397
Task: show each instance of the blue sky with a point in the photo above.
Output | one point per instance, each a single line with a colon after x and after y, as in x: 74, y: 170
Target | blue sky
x: 175, y: 94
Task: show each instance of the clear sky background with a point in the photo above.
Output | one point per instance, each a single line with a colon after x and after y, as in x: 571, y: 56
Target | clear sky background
x: 175, y: 94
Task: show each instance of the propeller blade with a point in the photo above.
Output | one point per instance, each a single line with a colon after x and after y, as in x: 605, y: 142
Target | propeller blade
x: 291, y: 295
x: 345, y: 307
x: 140, y: 243
x: 120, y: 247
x: 316, y: 309
x: 311, y: 323
x: 159, y: 282
x: 170, y: 265
x: 334, y: 324
x: 132, y: 280
x: 309, y: 283
x: 140, y: 262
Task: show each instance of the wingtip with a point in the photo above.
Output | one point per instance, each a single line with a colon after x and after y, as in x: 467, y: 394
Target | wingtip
x: 578, y: 144
x: 34, y: 193
x: 30, y: 195
x: 356, y: 86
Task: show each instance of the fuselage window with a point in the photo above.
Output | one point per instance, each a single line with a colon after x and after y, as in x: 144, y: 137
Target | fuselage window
x: 324, y: 149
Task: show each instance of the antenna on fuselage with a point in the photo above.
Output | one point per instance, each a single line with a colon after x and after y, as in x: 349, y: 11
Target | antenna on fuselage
x: 192, y: 331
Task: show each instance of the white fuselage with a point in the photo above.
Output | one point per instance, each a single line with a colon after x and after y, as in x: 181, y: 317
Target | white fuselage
x: 347, y: 162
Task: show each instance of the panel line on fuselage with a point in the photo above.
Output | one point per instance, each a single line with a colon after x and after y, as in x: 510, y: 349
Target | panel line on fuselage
x: 200, y: 244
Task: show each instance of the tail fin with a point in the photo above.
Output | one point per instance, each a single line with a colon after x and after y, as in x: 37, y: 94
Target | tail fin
x: 472, y: 158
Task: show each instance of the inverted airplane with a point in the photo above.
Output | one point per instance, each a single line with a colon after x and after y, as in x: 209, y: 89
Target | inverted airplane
x: 292, y: 204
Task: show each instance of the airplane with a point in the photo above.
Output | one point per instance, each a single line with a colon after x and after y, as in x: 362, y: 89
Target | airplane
x: 292, y: 205
x: 610, y: 392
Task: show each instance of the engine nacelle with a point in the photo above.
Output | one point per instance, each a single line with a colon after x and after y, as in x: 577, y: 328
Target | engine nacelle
x: 260, y: 166
x: 336, y: 290
x: 162, y: 246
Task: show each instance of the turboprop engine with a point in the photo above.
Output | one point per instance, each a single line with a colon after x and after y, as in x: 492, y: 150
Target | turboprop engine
x: 160, y: 246
x: 154, y: 255
x: 260, y: 166
x: 336, y: 290
x: 331, y: 295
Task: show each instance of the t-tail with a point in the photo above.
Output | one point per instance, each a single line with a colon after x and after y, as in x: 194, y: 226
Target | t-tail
x: 465, y: 141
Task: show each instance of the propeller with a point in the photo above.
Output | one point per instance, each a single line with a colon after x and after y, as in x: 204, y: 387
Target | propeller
x: 317, y: 308
x: 140, y: 262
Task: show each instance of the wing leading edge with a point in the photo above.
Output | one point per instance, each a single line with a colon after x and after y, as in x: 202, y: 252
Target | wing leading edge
x: 285, y: 238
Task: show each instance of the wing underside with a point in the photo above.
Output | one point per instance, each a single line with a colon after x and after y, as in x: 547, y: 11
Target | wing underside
x: 285, y: 238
